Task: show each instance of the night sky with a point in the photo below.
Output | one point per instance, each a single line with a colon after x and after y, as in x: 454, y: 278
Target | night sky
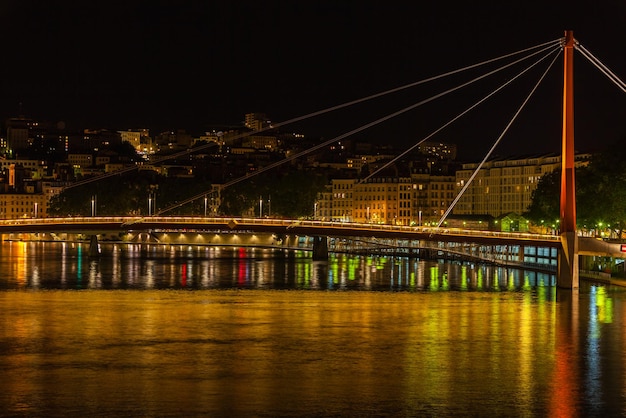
x: 195, y: 65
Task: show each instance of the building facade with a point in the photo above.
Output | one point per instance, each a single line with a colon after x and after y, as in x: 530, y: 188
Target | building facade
x: 418, y: 199
x: 504, y: 186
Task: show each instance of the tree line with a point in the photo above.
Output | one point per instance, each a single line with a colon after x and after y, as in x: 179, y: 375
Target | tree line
x: 600, y: 194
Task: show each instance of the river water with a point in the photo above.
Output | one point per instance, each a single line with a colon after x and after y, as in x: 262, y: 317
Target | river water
x: 197, y: 331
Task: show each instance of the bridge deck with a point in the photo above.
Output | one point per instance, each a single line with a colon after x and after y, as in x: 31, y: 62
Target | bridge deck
x: 271, y: 225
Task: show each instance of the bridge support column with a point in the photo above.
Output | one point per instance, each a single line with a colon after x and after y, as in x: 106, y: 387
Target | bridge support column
x: 320, y: 248
x: 94, y: 246
x: 567, y: 262
x: 568, y: 254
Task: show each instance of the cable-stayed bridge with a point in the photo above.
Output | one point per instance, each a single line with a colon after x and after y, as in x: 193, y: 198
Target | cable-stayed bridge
x: 567, y: 243
x: 538, y: 251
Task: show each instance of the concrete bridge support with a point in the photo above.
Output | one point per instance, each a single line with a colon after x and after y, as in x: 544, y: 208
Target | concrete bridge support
x: 567, y: 263
x: 94, y: 246
x: 320, y: 248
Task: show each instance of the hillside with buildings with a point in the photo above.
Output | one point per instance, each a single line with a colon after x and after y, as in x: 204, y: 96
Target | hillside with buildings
x: 364, y: 183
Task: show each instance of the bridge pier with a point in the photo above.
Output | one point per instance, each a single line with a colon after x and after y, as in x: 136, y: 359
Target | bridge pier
x: 320, y: 248
x: 567, y: 262
x: 94, y: 246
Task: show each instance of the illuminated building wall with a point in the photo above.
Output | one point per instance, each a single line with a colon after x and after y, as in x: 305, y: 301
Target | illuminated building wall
x: 504, y: 186
x: 342, y: 190
x: 418, y: 199
x: 384, y: 200
x: 323, y: 206
x: 23, y: 205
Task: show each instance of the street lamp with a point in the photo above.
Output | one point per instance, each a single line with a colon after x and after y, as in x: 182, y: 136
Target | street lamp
x: 260, y: 206
x: 205, y: 203
x: 149, y: 205
x: 93, y: 205
x: 35, y: 209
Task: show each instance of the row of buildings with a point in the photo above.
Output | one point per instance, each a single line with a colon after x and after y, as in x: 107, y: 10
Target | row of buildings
x: 420, y: 190
x: 498, y: 188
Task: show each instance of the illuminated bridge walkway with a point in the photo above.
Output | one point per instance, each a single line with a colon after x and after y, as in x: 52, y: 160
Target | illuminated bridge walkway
x: 510, y: 248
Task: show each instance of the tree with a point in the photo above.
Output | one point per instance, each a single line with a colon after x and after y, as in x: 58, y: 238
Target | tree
x: 130, y: 194
x: 292, y: 194
x: 600, y: 193
x: 544, y: 209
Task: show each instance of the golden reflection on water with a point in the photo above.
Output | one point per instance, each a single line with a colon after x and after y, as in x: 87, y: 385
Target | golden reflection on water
x: 501, y: 343
x: 285, y: 352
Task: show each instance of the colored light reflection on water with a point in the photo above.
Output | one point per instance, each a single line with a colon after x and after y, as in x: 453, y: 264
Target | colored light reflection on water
x: 133, y: 266
x: 357, y: 336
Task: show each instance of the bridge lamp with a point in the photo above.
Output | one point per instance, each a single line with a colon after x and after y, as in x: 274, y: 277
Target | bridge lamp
x: 93, y: 205
x: 205, y: 204
x: 35, y: 209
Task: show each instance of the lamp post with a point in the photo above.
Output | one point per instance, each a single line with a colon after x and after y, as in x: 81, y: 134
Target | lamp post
x: 35, y: 209
x: 150, y: 205
x: 205, y: 204
x: 93, y: 205
x: 260, y: 206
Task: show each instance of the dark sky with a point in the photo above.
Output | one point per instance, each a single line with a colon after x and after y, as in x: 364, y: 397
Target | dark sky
x: 195, y: 64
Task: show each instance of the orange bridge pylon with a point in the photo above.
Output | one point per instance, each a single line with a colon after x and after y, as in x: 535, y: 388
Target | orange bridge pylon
x: 567, y: 276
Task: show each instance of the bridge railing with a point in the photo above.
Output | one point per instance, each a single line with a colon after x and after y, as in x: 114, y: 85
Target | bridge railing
x: 287, y: 223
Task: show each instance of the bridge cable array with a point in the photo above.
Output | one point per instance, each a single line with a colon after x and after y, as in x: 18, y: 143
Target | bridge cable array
x: 316, y: 113
x: 469, y: 181
x: 595, y: 61
x: 459, y: 115
x: 549, y: 46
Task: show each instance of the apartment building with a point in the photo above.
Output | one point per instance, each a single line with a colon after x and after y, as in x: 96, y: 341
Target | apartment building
x: 401, y: 200
x: 341, y: 203
x: 23, y: 205
x: 504, y: 186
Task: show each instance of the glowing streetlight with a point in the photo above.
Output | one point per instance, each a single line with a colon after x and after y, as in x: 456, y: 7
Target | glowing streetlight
x: 93, y: 205
x: 205, y: 204
x: 260, y: 206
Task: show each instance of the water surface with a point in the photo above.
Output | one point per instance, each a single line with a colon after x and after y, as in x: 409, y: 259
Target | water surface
x: 256, y: 334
